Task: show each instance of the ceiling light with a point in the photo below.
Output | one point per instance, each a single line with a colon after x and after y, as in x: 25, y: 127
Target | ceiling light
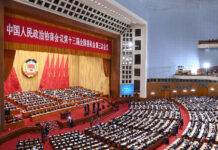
x: 130, y: 44
x: 152, y: 93
x: 184, y: 91
x: 206, y: 65
x: 174, y: 91
x: 193, y: 90
x: 194, y: 70
x: 212, y: 89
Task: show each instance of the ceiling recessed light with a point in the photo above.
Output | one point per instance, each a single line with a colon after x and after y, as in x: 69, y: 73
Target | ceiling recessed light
x: 152, y: 93
x: 184, y: 91
x: 193, y: 90
x: 174, y: 91
x: 212, y: 89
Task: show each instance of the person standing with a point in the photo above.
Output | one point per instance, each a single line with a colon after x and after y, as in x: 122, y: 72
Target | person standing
x: 47, y: 128
x: 88, y: 108
x: 85, y: 113
x: 98, y: 114
x: 43, y: 134
x: 93, y: 105
x: 91, y: 121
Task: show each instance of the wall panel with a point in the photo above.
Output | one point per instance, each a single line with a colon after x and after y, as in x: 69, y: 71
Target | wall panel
x: 157, y: 87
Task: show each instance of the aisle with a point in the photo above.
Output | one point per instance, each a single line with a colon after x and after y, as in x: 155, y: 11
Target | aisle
x: 185, y: 117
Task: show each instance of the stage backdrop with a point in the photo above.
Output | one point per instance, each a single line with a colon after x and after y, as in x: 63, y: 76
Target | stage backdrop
x: 84, y: 71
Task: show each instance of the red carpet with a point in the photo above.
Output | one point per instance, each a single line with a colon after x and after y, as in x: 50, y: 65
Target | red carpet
x: 75, y: 114
x: 11, y: 145
x: 185, y: 117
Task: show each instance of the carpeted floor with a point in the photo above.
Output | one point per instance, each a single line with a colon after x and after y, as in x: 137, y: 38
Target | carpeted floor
x: 75, y: 114
x: 185, y: 117
x: 11, y: 145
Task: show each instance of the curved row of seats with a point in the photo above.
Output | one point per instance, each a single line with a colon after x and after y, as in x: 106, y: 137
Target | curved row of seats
x: 186, y: 144
x: 76, y: 141
x: 30, y: 144
x: 142, y: 127
x: 203, y: 116
x: 198, y: 103
x: 202, y: 130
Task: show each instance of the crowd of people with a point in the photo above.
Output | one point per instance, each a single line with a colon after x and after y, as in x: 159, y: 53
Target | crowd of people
x: 52, y: 100
x: 202, y: 130
x: 142, y: 127
x: 76, y: 140
x: 31, y: 144
x: 146, y: 125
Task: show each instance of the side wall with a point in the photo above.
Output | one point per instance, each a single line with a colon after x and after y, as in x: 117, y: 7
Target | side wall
x: 157, y: 88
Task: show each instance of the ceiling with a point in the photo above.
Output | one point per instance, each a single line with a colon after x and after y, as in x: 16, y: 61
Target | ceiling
x: 108, y: 15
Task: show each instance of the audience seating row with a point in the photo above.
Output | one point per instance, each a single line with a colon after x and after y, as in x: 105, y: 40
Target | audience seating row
x: 202, y: 130
x: 28, y: 99
x: 186, y: 144
x: 142, y: 127
x: 198, y: 103
x: 13, y: 109
x: 30, y: 144
x: 49, y: 102
x: 76, y: 141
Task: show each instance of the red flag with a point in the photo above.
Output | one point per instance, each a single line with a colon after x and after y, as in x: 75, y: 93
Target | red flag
x: 61, y: 79
x: 12, y: 84
x: 45, y: 75
x: 51, y: 72
x: 66, y: 73
x: 57, y: 70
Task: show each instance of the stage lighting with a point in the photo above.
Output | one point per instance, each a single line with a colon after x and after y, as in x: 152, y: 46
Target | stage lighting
x: 130, y: 44
x: 206, y: 65
x: 194, y: 70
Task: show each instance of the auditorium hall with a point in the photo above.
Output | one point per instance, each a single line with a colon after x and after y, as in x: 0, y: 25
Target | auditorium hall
x: 108, y: 75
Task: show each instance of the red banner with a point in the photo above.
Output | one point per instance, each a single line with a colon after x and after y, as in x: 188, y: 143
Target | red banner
x: 28, y: 32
